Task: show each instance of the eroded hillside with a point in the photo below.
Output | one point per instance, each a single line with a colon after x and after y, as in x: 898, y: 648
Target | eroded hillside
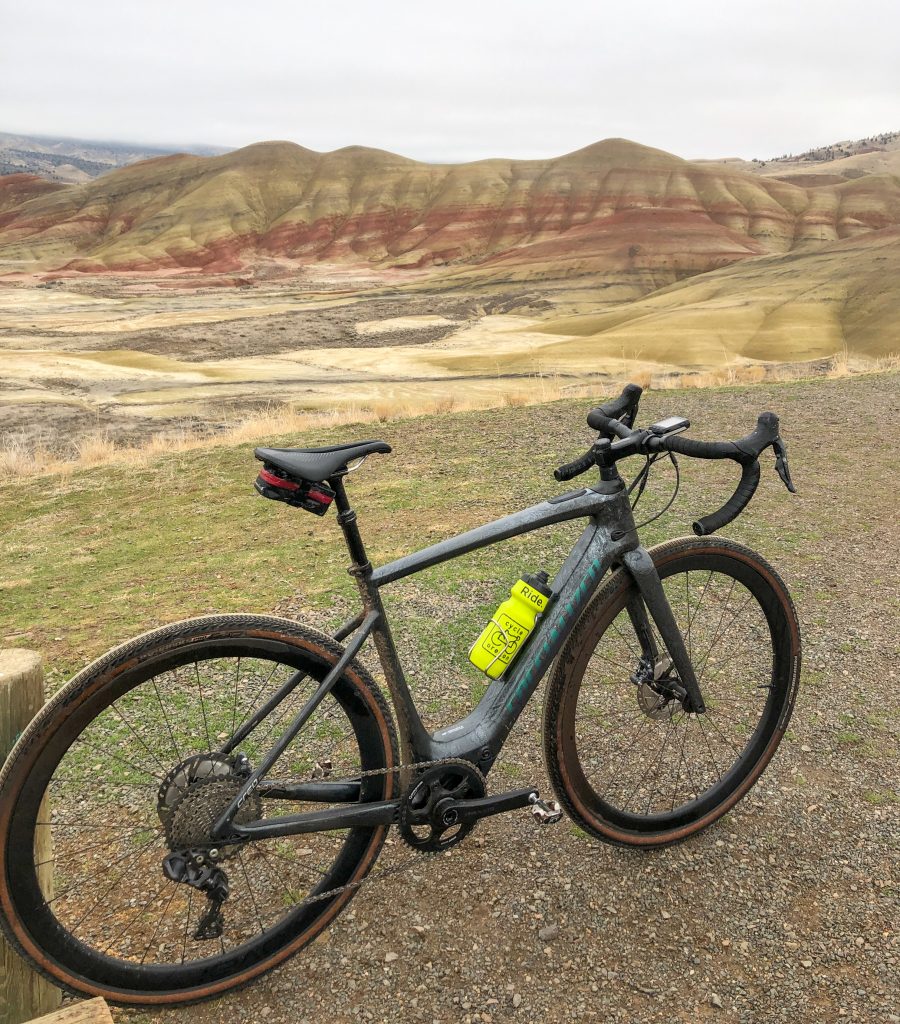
x: 615, y: 208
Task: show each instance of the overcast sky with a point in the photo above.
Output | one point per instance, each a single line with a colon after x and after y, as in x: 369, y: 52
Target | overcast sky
x: 454, y: 81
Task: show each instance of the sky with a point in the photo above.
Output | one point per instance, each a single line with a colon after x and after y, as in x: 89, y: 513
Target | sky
x: 454, y: 81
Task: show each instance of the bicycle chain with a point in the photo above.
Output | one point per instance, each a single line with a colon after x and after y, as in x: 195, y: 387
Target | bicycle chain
x: 387, y: 872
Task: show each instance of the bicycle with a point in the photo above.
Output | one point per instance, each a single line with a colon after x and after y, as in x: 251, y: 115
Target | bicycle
x: 187, y: 863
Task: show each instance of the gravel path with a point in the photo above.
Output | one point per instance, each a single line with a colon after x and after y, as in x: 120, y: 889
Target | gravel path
x: 787, y: 910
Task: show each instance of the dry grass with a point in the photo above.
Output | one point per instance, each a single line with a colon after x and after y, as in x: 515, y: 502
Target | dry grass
x: 727, y: 375
x: 845, y: 363
x: 18, y: 460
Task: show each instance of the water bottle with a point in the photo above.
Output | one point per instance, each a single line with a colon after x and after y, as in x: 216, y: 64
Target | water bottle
x: 504, y: 635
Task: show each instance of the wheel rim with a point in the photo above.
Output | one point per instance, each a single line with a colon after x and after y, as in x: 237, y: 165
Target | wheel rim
x: 636, y: 760
x: 112, y: 912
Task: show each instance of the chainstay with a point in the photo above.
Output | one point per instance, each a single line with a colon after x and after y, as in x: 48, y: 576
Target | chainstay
x: 397, y: 869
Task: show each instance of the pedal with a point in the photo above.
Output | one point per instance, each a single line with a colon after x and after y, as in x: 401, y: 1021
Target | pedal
x: 545, y: 812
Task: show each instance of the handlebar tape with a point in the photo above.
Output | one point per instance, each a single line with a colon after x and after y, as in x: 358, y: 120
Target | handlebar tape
x: 576, y: 468
x: 746, y: 452
x: 735, y: 504
x: 617, y: 408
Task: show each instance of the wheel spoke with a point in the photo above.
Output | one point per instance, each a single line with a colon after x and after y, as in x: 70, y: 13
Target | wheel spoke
x: 114, y: 812
x: 638, y: 765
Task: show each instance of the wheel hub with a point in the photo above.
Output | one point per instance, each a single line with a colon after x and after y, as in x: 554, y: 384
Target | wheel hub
x: 658, y: 694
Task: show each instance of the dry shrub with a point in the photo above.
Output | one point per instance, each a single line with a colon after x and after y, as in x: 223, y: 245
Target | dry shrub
x: 16, y: 460
x: 551, y: 387
x: 751, y: 374
x: 515, y: 398
x: 446, y: 403
x: 840, y: 363
x: 384, y: 411
x: 889, y: 362
x: 642, y: 379
x: 95, y: 449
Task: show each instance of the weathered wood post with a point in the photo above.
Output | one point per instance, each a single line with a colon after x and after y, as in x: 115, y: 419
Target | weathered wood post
x: 23, y: 994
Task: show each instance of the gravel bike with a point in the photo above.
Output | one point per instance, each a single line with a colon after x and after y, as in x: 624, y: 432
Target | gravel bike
x: 216, y: 791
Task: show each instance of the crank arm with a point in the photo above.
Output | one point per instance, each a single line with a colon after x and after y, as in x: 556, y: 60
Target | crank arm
x: 464, y: 811
x: 378, y: 812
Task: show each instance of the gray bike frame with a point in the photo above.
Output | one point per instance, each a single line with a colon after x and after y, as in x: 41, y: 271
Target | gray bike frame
x: 609, y: 539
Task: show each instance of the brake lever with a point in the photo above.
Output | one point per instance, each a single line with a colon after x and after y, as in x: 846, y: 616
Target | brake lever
x: 781, y: 464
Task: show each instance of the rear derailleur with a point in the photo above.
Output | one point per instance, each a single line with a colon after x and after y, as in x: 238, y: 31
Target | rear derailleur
x: 199, y: 870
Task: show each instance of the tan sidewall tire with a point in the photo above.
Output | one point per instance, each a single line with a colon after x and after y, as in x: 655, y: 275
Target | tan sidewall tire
x: 563, y: 690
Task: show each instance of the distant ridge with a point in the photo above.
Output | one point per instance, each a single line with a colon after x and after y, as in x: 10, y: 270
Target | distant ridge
x: 76, y: 160
x: 614, y: 208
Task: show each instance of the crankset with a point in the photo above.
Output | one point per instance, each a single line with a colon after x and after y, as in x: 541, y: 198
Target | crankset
x: 447, y: 799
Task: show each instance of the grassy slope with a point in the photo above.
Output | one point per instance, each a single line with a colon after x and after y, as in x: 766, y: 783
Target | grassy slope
x: 115, y: 551
x: 91, y: 561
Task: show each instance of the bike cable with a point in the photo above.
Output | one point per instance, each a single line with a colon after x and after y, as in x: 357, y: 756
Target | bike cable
x: 640, y: 481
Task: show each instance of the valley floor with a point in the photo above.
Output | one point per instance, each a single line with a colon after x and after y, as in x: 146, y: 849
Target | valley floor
x: 129, y: 358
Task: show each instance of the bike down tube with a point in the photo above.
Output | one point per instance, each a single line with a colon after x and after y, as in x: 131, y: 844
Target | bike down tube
x: 480, y: 736
x: 417, y: 744
x: 302, y: 717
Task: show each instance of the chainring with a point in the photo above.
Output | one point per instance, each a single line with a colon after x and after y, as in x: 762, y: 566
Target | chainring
x: 424, y: 822
x: 195, y: 811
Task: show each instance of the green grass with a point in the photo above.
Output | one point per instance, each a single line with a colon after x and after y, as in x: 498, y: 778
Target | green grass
x: 90, y: 561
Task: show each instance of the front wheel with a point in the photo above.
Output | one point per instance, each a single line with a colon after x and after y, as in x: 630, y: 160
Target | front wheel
x: 132, y: 759
x: 629, y: 764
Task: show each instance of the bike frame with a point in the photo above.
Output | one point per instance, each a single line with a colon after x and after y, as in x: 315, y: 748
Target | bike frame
x: 609, y: 539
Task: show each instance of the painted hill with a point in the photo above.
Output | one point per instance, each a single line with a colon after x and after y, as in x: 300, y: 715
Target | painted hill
x: 614, y: 208
x: 809, y: 304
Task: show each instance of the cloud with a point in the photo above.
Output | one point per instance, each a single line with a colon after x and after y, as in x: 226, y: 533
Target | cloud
x: 455, y: 82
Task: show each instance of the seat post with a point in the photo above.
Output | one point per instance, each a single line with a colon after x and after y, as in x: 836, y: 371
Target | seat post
x: 347, y: 518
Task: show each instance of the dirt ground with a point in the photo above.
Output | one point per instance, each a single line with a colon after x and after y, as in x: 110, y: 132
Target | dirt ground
x: 105, y: 356
x: 786, y: 911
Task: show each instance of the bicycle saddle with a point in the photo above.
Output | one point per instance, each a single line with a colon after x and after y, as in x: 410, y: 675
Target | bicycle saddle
x: 317, y: 464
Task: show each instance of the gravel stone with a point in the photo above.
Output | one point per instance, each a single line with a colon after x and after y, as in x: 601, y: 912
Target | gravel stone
x: 650, y: 937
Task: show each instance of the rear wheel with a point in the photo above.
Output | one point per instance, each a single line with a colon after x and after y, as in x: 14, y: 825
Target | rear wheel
x: 628, y: 763
x: 125, y: 764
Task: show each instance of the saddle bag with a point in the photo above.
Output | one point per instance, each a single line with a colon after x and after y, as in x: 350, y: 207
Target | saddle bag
x: 275, y: 484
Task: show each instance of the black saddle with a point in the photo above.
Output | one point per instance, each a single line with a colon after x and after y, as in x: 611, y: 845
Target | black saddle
x: 317, y: 464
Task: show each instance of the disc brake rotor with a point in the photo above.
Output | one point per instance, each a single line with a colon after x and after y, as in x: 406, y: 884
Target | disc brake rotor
x: 655, y: 705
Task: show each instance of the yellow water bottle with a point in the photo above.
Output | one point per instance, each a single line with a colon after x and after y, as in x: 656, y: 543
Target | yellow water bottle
x: 504, y: 635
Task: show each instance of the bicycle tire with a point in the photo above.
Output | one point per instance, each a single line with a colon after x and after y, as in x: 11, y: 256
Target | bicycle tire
x: 72, y: 956
x: 583, y: 711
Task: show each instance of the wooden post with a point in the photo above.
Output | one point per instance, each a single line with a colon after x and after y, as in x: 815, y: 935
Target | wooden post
x: 23, y: 994
x: 91, y: 1011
